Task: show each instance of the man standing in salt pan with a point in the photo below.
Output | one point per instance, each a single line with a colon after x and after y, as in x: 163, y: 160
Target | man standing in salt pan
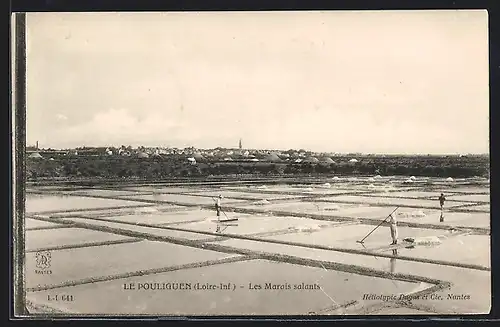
x: 441, y: 203
x: 393, y: 224
x: 217, y: 206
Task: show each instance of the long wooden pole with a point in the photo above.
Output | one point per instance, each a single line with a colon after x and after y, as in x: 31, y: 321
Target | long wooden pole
x: 383, y: 221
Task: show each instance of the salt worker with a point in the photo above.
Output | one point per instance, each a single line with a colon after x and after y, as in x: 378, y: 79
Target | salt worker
x: 441, y: 200
x: 217, y: 206
x: 441, y: 203
x: 393, y: 224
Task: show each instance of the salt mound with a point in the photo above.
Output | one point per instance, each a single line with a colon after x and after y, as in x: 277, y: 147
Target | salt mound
x: 326, y: 185
x: 261, y: 202
x: 412, y: 214
x: 332, y: 207
x: 377, y: 177
x: 408, y: 181
x: 449, y: 179
x: 428, y: 240
x: 309, y: 229
x: 335, y: 178
x: 413, y: 178
x: 146, y: 210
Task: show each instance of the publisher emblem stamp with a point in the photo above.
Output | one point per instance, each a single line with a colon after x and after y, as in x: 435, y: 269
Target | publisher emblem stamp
x: 43, y: 262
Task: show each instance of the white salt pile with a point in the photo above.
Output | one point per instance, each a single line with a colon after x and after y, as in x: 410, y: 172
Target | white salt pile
x: 428, y: 240
x: 309, y: 229
x: 377, y: 177
x: 146, y: 210
x: 332, y: 207
x: 449, y: 179
x: 413, y: 178
x: 326, y: 185
x: 412, y: 214
x: 261, y: 202
x: 335, y: 178
x: 408, y: 181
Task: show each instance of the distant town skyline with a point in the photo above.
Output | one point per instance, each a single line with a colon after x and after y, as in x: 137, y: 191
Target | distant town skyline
x: 383, y: 82
x: 34, y: 147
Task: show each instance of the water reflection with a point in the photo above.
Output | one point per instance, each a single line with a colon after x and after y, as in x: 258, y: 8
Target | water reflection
x: 393, y: 261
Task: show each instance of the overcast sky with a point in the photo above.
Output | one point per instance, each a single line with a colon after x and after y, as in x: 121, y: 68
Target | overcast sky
x: 373, y: 82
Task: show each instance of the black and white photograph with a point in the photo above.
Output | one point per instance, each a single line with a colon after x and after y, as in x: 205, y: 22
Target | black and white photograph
x: 272, y: 163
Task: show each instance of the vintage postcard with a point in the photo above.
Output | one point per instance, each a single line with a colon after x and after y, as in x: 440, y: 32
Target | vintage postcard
x: 252, y: 163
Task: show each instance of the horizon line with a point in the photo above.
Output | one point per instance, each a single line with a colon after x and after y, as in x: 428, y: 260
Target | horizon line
x: 265, y: 149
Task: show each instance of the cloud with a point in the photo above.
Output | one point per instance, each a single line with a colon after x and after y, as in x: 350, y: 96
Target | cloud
x: 118, y: 126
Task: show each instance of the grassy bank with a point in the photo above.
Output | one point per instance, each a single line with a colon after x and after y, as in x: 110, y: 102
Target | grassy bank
x: 151, y: 169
